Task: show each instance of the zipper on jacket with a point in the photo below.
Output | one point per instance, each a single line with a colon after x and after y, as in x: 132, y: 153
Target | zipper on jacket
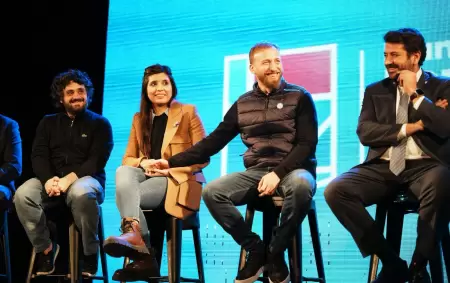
x: 70, y: 139
x: 266, y: 107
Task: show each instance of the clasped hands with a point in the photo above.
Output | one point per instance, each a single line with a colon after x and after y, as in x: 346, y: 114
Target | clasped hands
x: 55, y: 186
x: 155, y: 167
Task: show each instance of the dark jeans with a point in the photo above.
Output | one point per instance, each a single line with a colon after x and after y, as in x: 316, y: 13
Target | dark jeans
x: 372, y: 183
x: 223, y: 194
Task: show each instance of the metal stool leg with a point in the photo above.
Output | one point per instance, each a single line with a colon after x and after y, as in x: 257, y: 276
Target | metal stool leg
x: 380, y: 220
x: 174, y: 249
x: 31, y: 266
x: 101, y: 237
x: 249, y: 215
x: 295, y: 257
x: 394, y: 229
x: 314, y: 228
x: 73, y: 253
x: 446, y: 252
x: 126, y: 261
x: 198, y: 254
x: 6, y: 247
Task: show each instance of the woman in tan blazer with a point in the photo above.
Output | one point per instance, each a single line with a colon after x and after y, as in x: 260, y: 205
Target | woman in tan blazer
x: 163, y: 127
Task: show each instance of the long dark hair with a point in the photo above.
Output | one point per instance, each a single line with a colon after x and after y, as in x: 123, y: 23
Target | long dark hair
x: 146, y: 104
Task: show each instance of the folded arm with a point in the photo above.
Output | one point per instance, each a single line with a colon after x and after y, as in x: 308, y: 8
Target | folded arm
x: 435, y: 118
x: 371, y: 132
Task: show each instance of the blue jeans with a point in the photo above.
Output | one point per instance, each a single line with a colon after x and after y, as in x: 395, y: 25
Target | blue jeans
x: 223, y: 194
x: 135, y: 191
x: 83, y: 198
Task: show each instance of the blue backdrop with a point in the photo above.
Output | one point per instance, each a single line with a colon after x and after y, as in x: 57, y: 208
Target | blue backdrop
x: 333, y: 48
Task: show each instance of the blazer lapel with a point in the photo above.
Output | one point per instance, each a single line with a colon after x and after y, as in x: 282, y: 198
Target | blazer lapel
x: 423, y: 80
x: 173, y: 120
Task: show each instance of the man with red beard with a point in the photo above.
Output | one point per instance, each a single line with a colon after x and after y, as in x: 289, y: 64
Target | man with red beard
x: 277, y: 122
x: 69, y: 153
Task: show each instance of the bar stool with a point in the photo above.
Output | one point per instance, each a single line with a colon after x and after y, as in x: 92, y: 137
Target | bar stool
x: 5, y: 246
x: 395, y: 211
x: 174, y: 228
x: 75, y: 264
x: 270, y: 219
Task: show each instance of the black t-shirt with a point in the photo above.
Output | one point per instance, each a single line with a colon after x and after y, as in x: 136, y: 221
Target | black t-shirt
x: 157, y: 136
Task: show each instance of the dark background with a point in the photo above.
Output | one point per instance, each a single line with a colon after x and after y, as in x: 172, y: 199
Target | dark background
x: 59, y: 35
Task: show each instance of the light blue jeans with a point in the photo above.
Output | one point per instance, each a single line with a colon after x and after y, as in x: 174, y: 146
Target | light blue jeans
x: 135, y: 191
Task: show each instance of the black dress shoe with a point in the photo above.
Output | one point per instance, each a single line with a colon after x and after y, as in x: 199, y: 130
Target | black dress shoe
x: 393, y: 274
x: 139, y: 270
x: 420, y: 276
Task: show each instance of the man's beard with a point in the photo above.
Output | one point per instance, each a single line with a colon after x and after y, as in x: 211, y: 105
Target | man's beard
x: 271, y: 83
x: 75, y: 109
x: 406, y: 66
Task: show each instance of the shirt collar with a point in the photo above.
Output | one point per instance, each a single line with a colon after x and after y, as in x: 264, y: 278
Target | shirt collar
x: 418, y: 74
x: 165, y: 112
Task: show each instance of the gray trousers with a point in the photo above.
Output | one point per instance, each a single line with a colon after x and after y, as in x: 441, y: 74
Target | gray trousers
x: 83, y: 198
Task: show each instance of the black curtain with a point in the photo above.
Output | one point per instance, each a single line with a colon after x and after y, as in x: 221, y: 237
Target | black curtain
x: 60, y: 34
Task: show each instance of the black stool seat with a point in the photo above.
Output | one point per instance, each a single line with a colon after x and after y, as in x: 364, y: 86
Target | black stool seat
x: 271, y: 208
x: 393, y: 212
x: 174, y: 228
x: 75, y: 263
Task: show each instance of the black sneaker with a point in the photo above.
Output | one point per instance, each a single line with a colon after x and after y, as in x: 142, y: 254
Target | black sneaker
x: 420, y: 276
x: 90, y: 265
x: 45, y: 263
x: 277, y: 269
x: 397, y: 273
x: 254, y: 265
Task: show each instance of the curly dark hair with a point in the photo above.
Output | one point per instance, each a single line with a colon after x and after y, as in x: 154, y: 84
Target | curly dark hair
x: 146, y: 104
x: 64, y: 79
x: 411, y: 38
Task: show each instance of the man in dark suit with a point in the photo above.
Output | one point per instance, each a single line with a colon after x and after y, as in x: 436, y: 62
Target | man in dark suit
x: 405, y: 120
x: 10, y: 159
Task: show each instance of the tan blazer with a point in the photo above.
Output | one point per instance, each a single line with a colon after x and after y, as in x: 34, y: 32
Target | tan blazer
x: 184, y: 129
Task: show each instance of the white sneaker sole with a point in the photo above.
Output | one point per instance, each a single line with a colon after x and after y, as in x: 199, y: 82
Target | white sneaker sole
x: 54, y: 260
x: 287, y: 280
x: 251, y: 279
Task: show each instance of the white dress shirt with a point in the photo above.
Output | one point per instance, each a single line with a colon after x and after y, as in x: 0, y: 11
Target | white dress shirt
x: 413, y: 151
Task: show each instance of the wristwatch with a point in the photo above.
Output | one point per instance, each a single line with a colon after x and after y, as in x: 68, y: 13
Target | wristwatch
x: 416, y: 94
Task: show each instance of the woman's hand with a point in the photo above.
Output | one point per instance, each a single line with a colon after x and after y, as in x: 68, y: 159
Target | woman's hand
x: 147, y: 163
x: 153, y: 172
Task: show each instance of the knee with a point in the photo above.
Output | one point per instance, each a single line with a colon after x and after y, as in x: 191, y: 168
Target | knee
x: 22, y: 195
x: 439, y: 180
x: 332, y: 192
x: 123, y: 176
x: 301, y: 185
x: 82, y: 196
x: 210, y: 193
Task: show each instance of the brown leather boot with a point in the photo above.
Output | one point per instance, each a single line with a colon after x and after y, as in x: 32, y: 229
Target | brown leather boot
x: 129, y: 244
x: 139, y: 270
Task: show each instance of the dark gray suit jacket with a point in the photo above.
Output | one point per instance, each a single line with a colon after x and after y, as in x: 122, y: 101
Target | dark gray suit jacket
x: 377, y: 126
x: 10, y: 152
